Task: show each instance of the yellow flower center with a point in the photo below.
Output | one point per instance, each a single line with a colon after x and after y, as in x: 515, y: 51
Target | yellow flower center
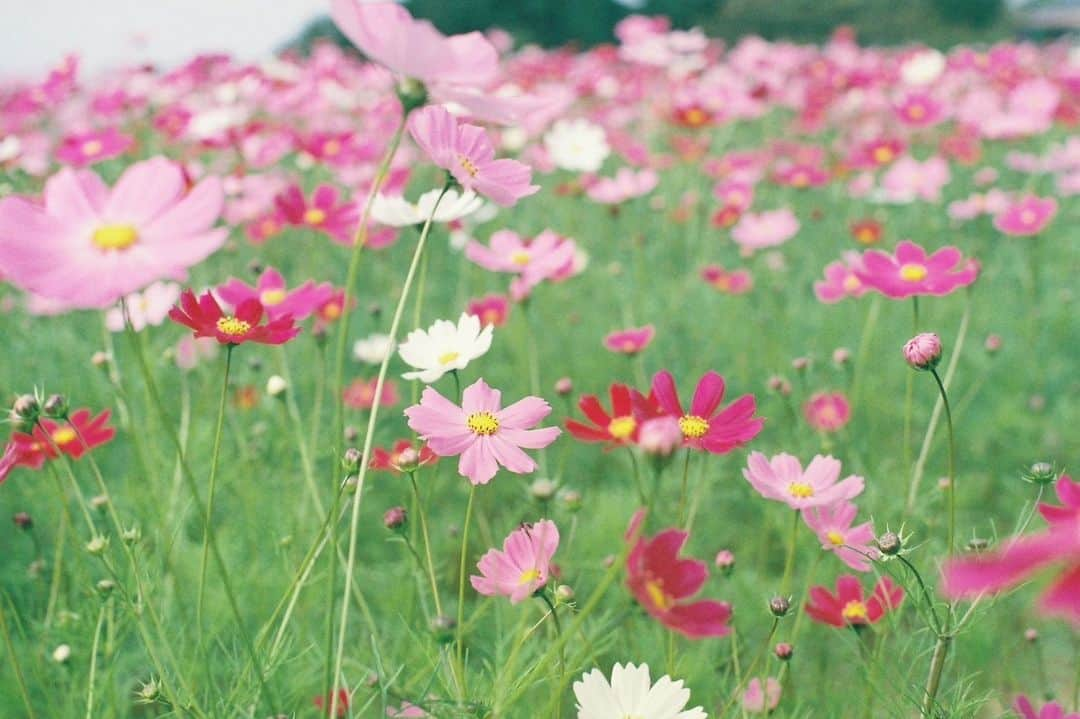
x: 883, y: 155
x: 1027, y: 217
x: 520, y: 258
x: 695, y: 117
x: 314, y: 216
x: 331, y: 148
x: 469, y: 165
x: 331, y: 310
x: 269, y: 298
x: 622, y: 427
x: 800, y: 490
x: 800, y: 179
x: 449, y: 357
x: 835, y: 538
x: 63, y: 435
x: 693, y: 426
x: 851, y: 283
x: 913, y: 272
x: 530, y: 576
x: 657, y: 594
x: 232, y: 326
x: 865, y: 235
x: 91, y: 147
x: 854, y: 611
x: 115, y: 237
x: 482, y: 423
x: 916, y: 112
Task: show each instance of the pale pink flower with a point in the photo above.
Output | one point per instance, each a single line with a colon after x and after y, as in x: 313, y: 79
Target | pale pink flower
x: 627, y: 184
x: 630, y: 341
x: 765, y: 229
x: 908, y: 179
x: 756, y: 701
x: 147, y: 308
x: 467, y: 153
x: 276, y: 299
x: 1028, y: 216
x: 827, y: 411
x: 832, y: 524
x: 522, y: 567
x: 88, y: 246
x: 87, y: 148
x: 547, y: 256
x: 485, y: 435
x: 782, y: 479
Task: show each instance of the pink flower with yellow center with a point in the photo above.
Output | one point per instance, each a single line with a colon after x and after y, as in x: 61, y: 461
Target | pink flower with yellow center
x: 88, y: 245
x: 271, y: 292
x: 827, y: 411
x: 783, y: 479
x: 491, y: 309
x: 728, y: 282
x: 1028, y: 216
x: 204, y: 315
x: 485, y: 434
x: 522, y: 567
x: 841, y: 280
x: 630, y: 341
x: 832, y: 524
x: 911, y: 271
x: 850, y: 606
x: 706, y: 426
x: 323, y: 213
x: 86, y: 148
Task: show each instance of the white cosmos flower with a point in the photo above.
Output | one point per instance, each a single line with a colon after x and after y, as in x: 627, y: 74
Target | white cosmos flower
x: 444, y: 347
x: 577, y: 145
x: 373, y: 348
x: 396, y: 211
x: 632, y: 694
x: 149, y: 307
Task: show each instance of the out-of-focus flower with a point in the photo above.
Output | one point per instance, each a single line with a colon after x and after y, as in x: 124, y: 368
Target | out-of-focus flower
x: 630, y: 341
x: 396, y: 211
x: 147, y: 308
x: 271, y: 292
x: 577, y: 145
x: 832, y: 524
x: 827, y: 411
x: 1028, y: 216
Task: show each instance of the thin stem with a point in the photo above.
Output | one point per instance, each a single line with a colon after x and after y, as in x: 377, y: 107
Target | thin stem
x: 13, y: 656
x: 637, y: 477
x: 557, y: 696
x: 684, y: 488
x: 862, y: 355
x: 460, y: 627
x: 749, y: 673
x: 952, y: 460
x: 93, y: 663
x: 926, y: 594
x: 933, y: 680
x: 365, y: 456
x: 213, y: 486
x: 427, y: 543
x: 58, y: 563
x: 789, y: 560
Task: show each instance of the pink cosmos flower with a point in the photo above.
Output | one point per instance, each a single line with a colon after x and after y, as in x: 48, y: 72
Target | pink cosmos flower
x: 360, y: 394
x: 876, y: 153
x: 736, y: 194
x: 827, y: 411
x: 912, y: 272
x: 323, y: 213
x: 407, y: 710
x: 758, y: 701
x: 765, y: 229
x: 523, y: 565
x: 703, y: 427
x: 271, y: 292
x: 467, y: 153
x: 663, y: 582
x: 733, y: 282
x: 832, y: 524
x: 88, y: 246
x: 1021, y: 557
x: 782, y: 478
x: 1051, y: 710
x: 626, y: 185
x: 491, y: 309
x: 801, y: 176
x: 86, y: 148
x: 485, y: 436
x: 919, y: 109
x: 630, y: 341
x: 841, y: 280
x: 908, y: 179
x: 547, y: 256
x: 1028, y: 216
x: 149, y: 307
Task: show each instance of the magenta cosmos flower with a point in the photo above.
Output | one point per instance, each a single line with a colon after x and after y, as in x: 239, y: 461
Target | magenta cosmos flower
x: 832, y: 525
x: 484, y: 434
x: 1052, y: 710
x: 827, y: 411
x: 523, y: 565
x: 323, y: 213
x: 87, y: 246
x: 1028, y: 216
x: 841, y: 280
x: 276, y: 299
x: 1023, y: 556
x: 782, y: 478
x: 703, y: 427
x: 205, y: 317
x: 850, y: 606
x: 86, y: 148
x: 630, y: 341
x: 912, y: 272
x: 467, y: 153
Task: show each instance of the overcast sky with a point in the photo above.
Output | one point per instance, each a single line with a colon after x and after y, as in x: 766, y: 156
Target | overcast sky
x: 35, y: 34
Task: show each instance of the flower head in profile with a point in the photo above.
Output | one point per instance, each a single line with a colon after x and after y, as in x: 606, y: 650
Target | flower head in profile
x: 912, y: 272
x: 1050, y: 710
x: 1028, y: 216
x: 444, y: 347
x: 271, y: 292
x: 783, y: 479
x: 850, y: 606
x: 468, y: 154
x: 832, y: 524
x: 630, y: 341
x: 147, y: 308
x: 706, y: 426
x: 765, y: 229
x: 631, y: 693
x: 625, y: 185
x: 617, y: 428
x: 373, y: 349
x: 396, y: 211
x: 80, y: 433
x: 759, y: 700
x: 523, y: 565
x: 485, y: 434
x: 205, y: 316
x: 87, y: 245
x: 1020, y: 557
x: 402, y: 457
x: 663, y: 582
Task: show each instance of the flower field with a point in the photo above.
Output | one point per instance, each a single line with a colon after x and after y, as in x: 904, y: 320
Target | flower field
x: 435, y: 377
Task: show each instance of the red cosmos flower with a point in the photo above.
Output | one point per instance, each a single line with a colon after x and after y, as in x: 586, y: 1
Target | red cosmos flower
x: 849, y: 607
x: 628, y: 410
x: 31, y: 450
x: 662, y: 582
x: 703, y: 427
x: 205, y: 316
x: 342, y: 703
x: 867, y: 231
x: 322, y: 213
x: 394, y: 459
x: 491, y: 309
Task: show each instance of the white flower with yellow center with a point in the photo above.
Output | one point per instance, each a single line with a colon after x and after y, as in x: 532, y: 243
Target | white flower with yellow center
x: 632, y: 695
x: 444, y: 347
x: 396, y: 211
x: 577, y: 145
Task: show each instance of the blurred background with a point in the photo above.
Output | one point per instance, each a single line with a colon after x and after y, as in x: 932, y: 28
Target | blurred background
x: 107, y: 33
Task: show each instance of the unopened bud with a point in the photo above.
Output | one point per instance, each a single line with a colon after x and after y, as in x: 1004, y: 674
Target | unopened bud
x: 978, y: 544
x: 889, y: 544
x: 61, y: 654
x: 725, y: 561
x: 131, y: 536
x: 571, y: 499
x: 23, y: 520
x: 149, y: 692
x: 350, y: 460
x: 105, y: 586
x: 55, y: 407
x: 276, y: 386
x: 564, y: 386
x: 1030, y: 635
x: 1041, y: 473
x: 100, y: 359
x: 351, y: 433
x: 779, y: 606
x: 543, y: 489
x: 412, y: 94
x: 97, y: 545
x: 395, y: 518
x: 564, y: 593
x: 443, y: 627
x: 800, y: 364
x: 993, y: 344
x: 923, y: 351
x: 407, y: 460
x: 779, y: 385
x: 26, y: 408
x: 841, y: 355
x: 99, y: 502
x: 783, y: 651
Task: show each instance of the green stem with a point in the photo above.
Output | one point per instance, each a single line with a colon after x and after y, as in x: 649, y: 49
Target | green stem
x: 749, y: 673
x: 427, y: 543
x: 952, y: 460
x: 13, y: 656
x: 684, y: 488
x: 789, y: 560
x: 57, y: 573
x: 93, y: 663
x: 213, y: 486
x: 937, y: 626
x: 460, y: 627
x: 933, y: 680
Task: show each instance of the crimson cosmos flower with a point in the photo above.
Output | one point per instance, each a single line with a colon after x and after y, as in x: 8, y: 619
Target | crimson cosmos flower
x: 205, y: 316
x: 395, y: 458
x: 849, y: 606
x: 621, y: 426
x: 31, y: 450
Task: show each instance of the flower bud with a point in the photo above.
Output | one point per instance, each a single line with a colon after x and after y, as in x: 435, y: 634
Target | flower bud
x: 993, y: 344
x: 660, y: 436
x: 889, y: 544
x: 1031, y: 635
x: 99, y: 502
x: 564, y: 386
x: 395, y: 518
x: 351, y: 433
x: 55, y: 407
x: 97, y: 545
x: 131, y: 536
x: 779, y: 385
x: 543, y: 489
x: 571, y: 498
x: 800, y: 364
x: 100, y: 359
x: 61, y: 654
x: 350, y: 460
x: 276, y: 386
x: 923, y: 351
x: 443, y: 627
x: 407, y: 460
x: 783, y: 651
x: 978, y: 544
x: 564, y: 593
x: 1041, y: 473
x: 779, y: 606
x: 26, y: 409
x: 412, y: 94
x: 725, y: 561
x: 149, y: 692
x: 23, y: 520
x: 105, y: 586
x: 841, y: 355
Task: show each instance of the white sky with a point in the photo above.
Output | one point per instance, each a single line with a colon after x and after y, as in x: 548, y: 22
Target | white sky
x: 35, y: 34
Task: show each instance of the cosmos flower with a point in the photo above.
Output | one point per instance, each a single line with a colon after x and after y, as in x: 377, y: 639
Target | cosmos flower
x: 912, y: 272
x: 445, y: 347
x: 765, y: 229
x: 492, y: 310
x: 630, y: 341
x: 87, y: 246
x: 1028, y: 216
x: 827, y: 411
x: 523, y: 565
x: 849, y: 606
x: 729, y: 282
x: 147, y: 308
x: 205, y: 316
x: 545, y: 257
x: 270, y: 290
x: 756, y: 700
x: 625, y: 185
x: 631, y: 693
x: 577, y: 145
x: 832, y: 524
x: 360, y: 394
x: 396, y: 211
x: 32, y: 449
x: 87, y: 148
x: 841, y: 280
x: 1050, y: 710
x: 485, y: 434
x: 323, y: 213
x: 401, y: 456
x: 783, y: 479
x: 373, y: 348
x: 704, y: 427
x: 618, y: 428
